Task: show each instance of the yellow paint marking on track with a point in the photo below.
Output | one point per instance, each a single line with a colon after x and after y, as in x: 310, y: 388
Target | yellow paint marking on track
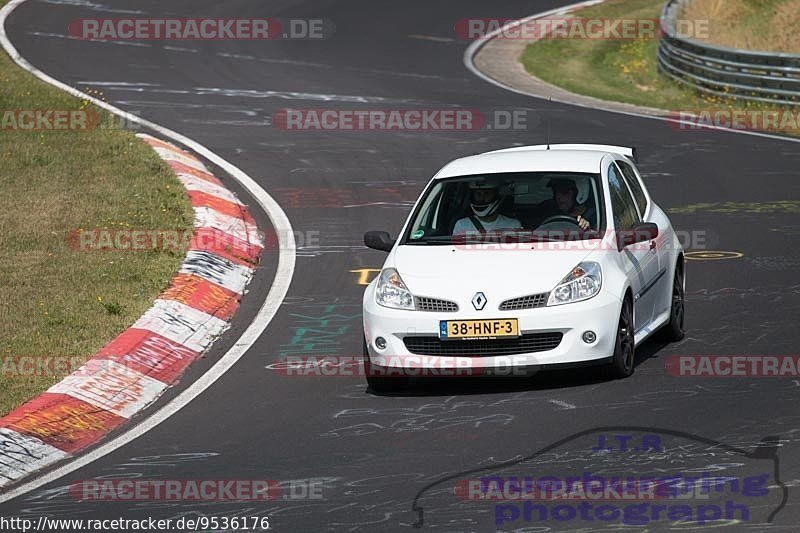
x: 364, y: 275
x: 712, y: 255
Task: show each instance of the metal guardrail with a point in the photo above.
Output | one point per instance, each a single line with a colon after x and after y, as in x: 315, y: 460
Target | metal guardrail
x: 760, y: 76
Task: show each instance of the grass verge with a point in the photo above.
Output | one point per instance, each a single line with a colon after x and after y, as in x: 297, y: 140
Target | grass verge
x: 750, y: 24
x: 55, y: 301
x: 625, y: 70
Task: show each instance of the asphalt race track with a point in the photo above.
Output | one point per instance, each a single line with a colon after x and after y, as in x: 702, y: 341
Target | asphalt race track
x: 388, y: 463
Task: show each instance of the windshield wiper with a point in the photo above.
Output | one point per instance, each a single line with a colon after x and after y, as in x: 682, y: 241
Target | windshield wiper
x: 441, y: 240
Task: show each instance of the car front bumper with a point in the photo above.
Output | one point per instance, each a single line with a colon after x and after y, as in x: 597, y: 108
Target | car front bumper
x: 599, y: 314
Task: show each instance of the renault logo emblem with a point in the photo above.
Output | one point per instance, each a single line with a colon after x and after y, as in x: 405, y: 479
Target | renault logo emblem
x: 479, y: 301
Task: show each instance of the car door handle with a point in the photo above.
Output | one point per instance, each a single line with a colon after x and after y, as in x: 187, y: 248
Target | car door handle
x: 652, y: 245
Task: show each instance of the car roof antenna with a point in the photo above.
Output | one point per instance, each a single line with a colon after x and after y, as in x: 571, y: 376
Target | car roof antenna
x: 548, y: 133
x: 548, y: 126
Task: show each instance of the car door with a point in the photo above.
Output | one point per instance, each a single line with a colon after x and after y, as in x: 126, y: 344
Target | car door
x: 639, y: 261
x: 633, y: 180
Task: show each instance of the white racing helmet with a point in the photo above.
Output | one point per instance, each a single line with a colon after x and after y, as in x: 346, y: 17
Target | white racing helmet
x: 486, y: 210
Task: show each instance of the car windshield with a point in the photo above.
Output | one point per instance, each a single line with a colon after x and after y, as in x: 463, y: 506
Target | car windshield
x: 512, y: 207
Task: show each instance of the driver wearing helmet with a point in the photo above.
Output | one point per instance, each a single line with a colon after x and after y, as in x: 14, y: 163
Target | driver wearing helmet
x: 485, y: 200
x: 564, y: 202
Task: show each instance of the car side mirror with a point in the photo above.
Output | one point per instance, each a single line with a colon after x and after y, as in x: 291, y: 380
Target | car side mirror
x: 641, y: 232
x: 378, y: 240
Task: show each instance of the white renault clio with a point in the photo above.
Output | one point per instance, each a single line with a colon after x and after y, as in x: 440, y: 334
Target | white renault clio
x: 525, y: 258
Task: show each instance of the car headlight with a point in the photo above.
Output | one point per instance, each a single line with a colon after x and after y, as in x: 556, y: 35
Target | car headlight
x: 583, y: 282
x: 392, y: 292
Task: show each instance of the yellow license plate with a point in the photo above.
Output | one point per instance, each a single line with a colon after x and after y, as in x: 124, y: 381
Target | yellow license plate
x: 478, y: 329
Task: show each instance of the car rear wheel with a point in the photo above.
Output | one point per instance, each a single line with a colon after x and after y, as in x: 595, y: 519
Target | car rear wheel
x: 381, y: 384
x: 673, y: 330
x: 624, y: 348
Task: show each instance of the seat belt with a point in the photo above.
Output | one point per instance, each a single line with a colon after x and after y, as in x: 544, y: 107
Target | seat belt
x: 477, y: 224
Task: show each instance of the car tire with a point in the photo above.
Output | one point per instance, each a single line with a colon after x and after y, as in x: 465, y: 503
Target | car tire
x: 382, y: 384
x: 673, y: 330
x: 623, y: 363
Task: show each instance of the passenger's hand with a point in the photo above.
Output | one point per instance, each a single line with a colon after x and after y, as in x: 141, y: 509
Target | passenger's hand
x: 583, y: 223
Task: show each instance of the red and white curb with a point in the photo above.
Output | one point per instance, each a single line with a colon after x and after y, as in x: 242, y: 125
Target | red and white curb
x: 141, y: 363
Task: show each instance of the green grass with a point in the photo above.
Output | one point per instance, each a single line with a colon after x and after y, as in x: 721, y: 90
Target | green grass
x: 750, y: 24
x: 624, y: 71
x: 56, y: 301
x: 620, y: 70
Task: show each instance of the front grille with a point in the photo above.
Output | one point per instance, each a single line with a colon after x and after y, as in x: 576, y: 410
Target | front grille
x: 433, y: 304
x: 525, y: 302
x: 532, y: 342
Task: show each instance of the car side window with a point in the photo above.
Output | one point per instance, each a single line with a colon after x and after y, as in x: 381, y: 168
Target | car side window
x: 633, y: 183
x: 624, y: 209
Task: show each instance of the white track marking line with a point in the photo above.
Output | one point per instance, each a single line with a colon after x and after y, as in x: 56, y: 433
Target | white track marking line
x: 431, y: 38
x: 475, y: 47
x: 277, y: 293
x: 563, y: 404
x: 71, y: 38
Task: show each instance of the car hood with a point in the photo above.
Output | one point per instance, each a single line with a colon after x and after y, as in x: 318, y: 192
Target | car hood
x: 456, y: 274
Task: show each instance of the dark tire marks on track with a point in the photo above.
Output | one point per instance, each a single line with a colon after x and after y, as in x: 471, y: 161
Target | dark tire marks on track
x: 375, y: 453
